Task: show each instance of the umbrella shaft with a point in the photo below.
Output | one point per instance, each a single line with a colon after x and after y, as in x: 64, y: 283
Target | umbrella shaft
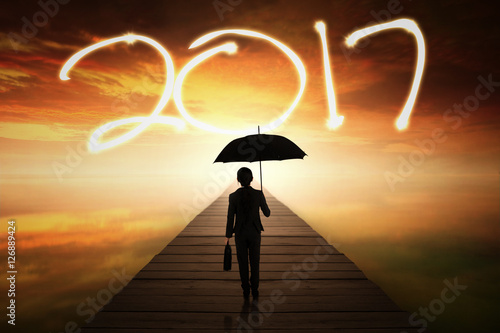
x: 260, y: 166
x: 260, y: 163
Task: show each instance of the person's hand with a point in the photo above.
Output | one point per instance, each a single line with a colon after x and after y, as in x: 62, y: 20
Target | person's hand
x: 227, y: 240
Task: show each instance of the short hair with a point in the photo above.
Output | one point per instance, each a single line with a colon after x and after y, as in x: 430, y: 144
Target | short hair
x: 244, y: 176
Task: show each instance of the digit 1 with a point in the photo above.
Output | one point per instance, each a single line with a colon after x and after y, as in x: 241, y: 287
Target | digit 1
x: 334, y: 121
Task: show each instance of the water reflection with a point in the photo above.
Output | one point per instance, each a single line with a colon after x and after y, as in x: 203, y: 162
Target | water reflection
x: 69, y: 249
x: 433, y: 228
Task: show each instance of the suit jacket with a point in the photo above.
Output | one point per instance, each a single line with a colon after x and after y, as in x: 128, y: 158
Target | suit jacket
x: 256, y: 201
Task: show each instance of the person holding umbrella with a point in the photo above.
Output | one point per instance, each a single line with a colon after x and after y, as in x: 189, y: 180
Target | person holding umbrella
x: 245, y: 203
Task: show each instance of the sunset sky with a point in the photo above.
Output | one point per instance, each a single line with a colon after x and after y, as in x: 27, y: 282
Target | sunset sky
x: 41, y: 113
x: 59, y: 192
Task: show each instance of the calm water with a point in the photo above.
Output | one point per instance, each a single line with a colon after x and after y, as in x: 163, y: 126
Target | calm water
x: 77, y: 240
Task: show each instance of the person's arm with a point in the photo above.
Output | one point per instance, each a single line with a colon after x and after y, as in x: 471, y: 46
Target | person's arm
x: 231, y: 211
x: 263, y: 205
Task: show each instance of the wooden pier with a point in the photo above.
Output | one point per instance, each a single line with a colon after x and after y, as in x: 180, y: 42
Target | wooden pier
x: 306, y: 285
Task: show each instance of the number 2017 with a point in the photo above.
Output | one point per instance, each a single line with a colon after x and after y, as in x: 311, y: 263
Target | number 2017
x: 173, y: 85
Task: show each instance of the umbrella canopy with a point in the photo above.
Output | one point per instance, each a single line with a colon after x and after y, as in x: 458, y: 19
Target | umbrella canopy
x: 260, y: 147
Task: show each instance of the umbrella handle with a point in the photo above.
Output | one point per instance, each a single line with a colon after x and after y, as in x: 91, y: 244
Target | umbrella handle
x: 260, y: 164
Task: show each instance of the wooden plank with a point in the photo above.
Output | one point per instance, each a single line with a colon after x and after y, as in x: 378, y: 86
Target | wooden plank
x: 228, y: 304
x: 264, y: 258
x: 312, y: 241
x: 229, y: 319
x: 283, y: 229
x: 305, y: 285
x: 198, y: 320
x: 220, y: 212
x: 266, y: 223
x: 234, y: 275
x: 271, y: 232
x: 274, y: 217
x: 236, y: 299
x: 208, y: 289
x: 264, y: 249
x: 264, y: 266
x: 218, y: 240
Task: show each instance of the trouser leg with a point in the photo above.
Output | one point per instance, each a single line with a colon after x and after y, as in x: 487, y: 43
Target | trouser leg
x: 254, y: 253
x: 242, y: 255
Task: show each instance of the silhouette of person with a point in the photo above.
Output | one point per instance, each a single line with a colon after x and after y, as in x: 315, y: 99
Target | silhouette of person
x: 245, y: 203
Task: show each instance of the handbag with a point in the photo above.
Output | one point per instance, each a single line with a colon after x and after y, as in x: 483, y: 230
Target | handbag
x: 227, y: 257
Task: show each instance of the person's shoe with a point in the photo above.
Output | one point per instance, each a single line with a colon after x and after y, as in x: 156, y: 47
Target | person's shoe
x: 255, y: 294
x: 246, y: 294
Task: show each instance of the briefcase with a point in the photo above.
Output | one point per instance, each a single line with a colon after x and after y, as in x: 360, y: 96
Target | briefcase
x: 227, y: 257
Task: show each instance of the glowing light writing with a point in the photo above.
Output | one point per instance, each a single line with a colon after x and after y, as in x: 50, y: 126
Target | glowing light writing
x: 412, y: 27
x: 94, y: 144
x: 173, y: 86
x: 202, y: 40
x: 228, y: 48
x: 334, y: 121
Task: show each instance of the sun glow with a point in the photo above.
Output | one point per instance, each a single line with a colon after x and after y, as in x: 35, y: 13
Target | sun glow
x: 263, y: 128
x: 229, y: 48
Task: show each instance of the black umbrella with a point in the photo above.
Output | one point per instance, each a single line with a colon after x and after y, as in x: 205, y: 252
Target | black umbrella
x: 260, y: 147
